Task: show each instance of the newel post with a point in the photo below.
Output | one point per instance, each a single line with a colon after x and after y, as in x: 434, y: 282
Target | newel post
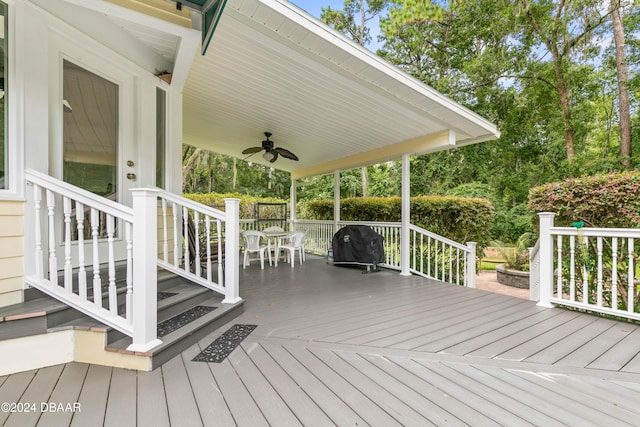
x: 546, y: 258
x: 232, y: 251
x: 145, y: 275
x: 471, y: 265
x: 405, y: 218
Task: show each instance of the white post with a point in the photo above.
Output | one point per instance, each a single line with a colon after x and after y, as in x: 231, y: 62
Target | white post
x: 145, y: 276
x: 405, y: 217
x: 293, y: 200
x: 232, y: 251
x: 546, y: 258
x: 336, y: 200
x: 471, y: 265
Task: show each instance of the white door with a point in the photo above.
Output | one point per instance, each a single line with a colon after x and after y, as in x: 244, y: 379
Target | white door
x: 93, y: 126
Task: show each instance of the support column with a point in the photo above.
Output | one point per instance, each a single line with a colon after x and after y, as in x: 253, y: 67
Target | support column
x: 546, y: 258
x: 145, y: 271
x: 336, y: 200
x: 293, y: 200
x: 470, y: 279
x: 232, y: 251
x: 405, y: 217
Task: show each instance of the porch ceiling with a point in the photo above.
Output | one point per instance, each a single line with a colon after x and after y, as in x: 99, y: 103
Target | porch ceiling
x: 271, y: 67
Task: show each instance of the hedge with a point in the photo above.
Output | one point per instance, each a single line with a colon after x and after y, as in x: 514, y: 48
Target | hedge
x: 603, y: 200
x: 462, y: 219
x: 247, y: 203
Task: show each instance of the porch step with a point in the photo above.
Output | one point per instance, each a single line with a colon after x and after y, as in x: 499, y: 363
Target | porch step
x: 41, y: 314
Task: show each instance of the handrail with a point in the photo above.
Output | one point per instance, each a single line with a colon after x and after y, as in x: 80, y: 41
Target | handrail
x: 85, y: 197
x: 439, y: 237
x: 190, y: 204
x: 596, y: 232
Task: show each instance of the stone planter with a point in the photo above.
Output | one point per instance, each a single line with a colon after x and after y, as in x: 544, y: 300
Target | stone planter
x: 515, y: 278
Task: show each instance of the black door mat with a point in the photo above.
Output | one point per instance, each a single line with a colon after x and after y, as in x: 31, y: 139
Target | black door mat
x: 165, y: 295
x: 218, y: 350
x: 182, y: 319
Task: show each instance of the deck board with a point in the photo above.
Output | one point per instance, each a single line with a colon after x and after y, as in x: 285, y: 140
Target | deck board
x: 121, y: 403
x: 356, y: 398
x: 151, y: 400
x: 67, y: 390
x: 618, y: 356
x: 38, y: 392
x: 93, y: 397
x: 336, y: 347
x: 181, y: 401
x: 387, y: 402
x: 211, y: 403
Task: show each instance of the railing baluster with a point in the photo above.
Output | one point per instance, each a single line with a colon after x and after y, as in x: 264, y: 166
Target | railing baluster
x: 82, y: 271
x: 129, y: 295
x: 196, y: 256
x: 631, y: 273
x: 113, y: 290
x: 614, y: 273
x: 185, y: 221
x: 165, y: 233
x: 37, y: 199
x: 68, y: 270
x: 176, y: 248
x: 220, y: 249
x: 53, y: 261
x: 599, y: 276
x: 450, y: 264
x: 572, y: 268
x: 429, y: 256
x: 585, y: 278
x: 559, y: 280
x: 97, y: 282
x: 207, y: 225
x: 421, y: 253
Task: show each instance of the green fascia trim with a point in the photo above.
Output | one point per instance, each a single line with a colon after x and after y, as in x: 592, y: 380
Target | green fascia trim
x: 211, y: 14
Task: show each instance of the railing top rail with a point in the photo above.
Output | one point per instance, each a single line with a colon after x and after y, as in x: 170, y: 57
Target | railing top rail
x: 313, y: 221
x: 376, y: 223
x: 439, y: 238
x: 597, y: 232
x: 78, y: 194
x: 190, y: 204
x: 533, y: 252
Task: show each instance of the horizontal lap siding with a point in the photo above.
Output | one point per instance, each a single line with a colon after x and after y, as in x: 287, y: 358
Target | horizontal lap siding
x: 11, y: 252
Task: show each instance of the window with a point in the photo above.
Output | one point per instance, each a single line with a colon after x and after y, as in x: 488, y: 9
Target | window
x: 161, y: 137
x: 4, y: 155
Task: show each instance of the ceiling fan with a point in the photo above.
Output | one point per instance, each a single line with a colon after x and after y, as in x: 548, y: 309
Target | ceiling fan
x: 271, y: 153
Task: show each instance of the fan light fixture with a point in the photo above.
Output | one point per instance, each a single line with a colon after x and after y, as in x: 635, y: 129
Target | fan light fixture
x: 269, y: 156
x: 271, y: 153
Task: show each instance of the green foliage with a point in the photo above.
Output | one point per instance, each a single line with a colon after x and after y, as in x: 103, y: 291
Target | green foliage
x: 459, y: 219
x: 247, y: 203
x: 602, y: 200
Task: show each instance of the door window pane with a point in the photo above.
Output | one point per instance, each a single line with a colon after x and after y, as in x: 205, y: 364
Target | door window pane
x: 90, y: 105
x: 161, y: 136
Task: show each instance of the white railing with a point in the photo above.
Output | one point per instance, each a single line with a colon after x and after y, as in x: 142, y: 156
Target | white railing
x: 432, y: 256
x: 200, y: 243
x: 87, y: 230
x: 91, y: 239
x: 593, y: 269
x: 439, y: 258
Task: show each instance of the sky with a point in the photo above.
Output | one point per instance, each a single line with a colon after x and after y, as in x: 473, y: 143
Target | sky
x: 312, y: 7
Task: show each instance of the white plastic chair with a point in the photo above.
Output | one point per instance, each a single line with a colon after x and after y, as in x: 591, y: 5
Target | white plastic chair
x: 295, y: 244
x: 252, y: 244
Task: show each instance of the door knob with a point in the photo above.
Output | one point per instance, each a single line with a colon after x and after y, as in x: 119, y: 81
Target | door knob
x: 131, y: 176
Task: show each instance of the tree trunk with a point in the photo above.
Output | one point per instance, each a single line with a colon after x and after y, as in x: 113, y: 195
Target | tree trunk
x: 235, y: 174
x: 623, y: 89
x: 188, y: 167
x: 365, y: 182
x: 565, y: 104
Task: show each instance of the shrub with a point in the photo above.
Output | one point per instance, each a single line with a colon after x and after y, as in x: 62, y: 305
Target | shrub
x: 603, y: 200
x: 460, y: 219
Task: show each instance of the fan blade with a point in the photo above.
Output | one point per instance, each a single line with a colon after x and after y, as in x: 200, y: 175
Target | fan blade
x: 285, y: 153
x: 252, y: 150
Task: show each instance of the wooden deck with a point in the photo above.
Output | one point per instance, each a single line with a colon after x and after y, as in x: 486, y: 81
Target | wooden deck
x: 337, y: 347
